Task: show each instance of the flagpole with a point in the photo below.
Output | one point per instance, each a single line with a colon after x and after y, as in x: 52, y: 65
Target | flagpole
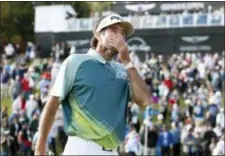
x: 146, y: 133
x: 223, y: 83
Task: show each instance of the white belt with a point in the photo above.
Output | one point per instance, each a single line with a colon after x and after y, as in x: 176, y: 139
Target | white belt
x: 76, y: 145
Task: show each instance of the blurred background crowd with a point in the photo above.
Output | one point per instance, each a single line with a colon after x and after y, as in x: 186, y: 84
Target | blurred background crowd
x: 186, y: 116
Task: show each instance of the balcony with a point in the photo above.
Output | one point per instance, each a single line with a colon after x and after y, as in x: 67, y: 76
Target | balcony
x: 157, y: 21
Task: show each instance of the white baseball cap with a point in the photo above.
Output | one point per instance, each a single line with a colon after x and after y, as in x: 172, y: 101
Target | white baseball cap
x: 113, y: 19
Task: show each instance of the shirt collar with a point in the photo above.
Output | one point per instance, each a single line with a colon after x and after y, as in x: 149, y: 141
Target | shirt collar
x: 97, y: 56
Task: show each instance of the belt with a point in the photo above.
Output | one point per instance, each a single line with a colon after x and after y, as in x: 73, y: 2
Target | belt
x: 108, y: 150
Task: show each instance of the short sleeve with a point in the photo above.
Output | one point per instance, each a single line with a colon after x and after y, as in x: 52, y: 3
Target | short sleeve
x: 64, y: 80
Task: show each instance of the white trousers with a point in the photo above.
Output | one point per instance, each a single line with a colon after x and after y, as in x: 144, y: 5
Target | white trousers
x: 78, y: 146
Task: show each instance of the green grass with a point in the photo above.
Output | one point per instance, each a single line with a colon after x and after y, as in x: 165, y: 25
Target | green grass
x: 7, y: 102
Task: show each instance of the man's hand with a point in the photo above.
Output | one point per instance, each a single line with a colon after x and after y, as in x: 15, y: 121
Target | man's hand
x: 121, y: 45
x: 141, y: 92
x: 40, y: 150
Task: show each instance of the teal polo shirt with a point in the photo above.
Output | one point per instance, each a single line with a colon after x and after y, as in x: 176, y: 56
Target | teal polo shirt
x: 94, y: 94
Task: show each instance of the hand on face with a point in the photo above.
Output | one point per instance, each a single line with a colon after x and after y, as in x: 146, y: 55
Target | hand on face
x: 119, y: 43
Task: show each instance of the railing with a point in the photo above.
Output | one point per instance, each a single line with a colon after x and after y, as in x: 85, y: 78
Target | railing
x: 157, y: 21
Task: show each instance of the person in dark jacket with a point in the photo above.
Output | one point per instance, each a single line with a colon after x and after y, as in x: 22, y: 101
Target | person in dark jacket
x: 213, y: 110
x: 15, y: 127
x: 152, y: 138
x: 24, y: 140
x: 209, y: 134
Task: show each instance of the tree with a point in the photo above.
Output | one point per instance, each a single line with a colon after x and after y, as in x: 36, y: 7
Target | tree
x: 17, y: 18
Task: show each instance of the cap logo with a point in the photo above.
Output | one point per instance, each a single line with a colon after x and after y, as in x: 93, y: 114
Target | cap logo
x: 115, y: 17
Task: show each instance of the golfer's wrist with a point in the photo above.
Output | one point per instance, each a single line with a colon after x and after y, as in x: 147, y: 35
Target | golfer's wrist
x: 129, y: 65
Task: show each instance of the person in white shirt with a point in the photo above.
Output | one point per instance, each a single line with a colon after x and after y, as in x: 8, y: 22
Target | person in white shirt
x: 219, y: 150
x: 201, y: 69
x: 135, y: 110
x: 217, y: 130
x: 220, y: 118
x: 31, y: 105
x: 17, y: 103
x: 175, y: 112
x: 132, y: 142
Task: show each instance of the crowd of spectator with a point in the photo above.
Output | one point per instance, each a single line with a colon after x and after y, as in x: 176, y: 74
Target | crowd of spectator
x: 187, y: 112
x: 26, y: 81
x: 186, y: 115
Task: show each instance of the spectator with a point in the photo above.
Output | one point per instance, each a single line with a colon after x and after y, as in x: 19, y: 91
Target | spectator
x: 31, y: 106
x: 163, y: 107
x: 176, y: 133
x: 212, y: 145
x: 165, y: 141
x: 24, y: 140
x: 19, y: 103
x: 190, y: 143
x: 23, y: 117
x: 198, y: 112
x: 5, y: 77
x: 39, y: 101
x: 15, y: 127
x: 175, y: 112
x: 152, y: 138
x: 213, y: 110
x: 7, y: 66
x: 168, y: 82
x: 132, y: 142
x: 135, y: 116
x: 6, y: 139
x: 219, y: 150
x: 6, y: 142
x: 220, y: 118
x: 16, y: 87
x: 17, y: 71
x: 33, y: 125
x: 44, y: 85
x: 26, y: 87
x: 208, y: 136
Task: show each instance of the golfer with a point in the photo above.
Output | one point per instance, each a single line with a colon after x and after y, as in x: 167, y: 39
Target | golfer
x: 94, y: 92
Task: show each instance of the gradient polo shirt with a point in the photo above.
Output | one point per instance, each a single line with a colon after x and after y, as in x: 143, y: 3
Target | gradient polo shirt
x: 94, y: 94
